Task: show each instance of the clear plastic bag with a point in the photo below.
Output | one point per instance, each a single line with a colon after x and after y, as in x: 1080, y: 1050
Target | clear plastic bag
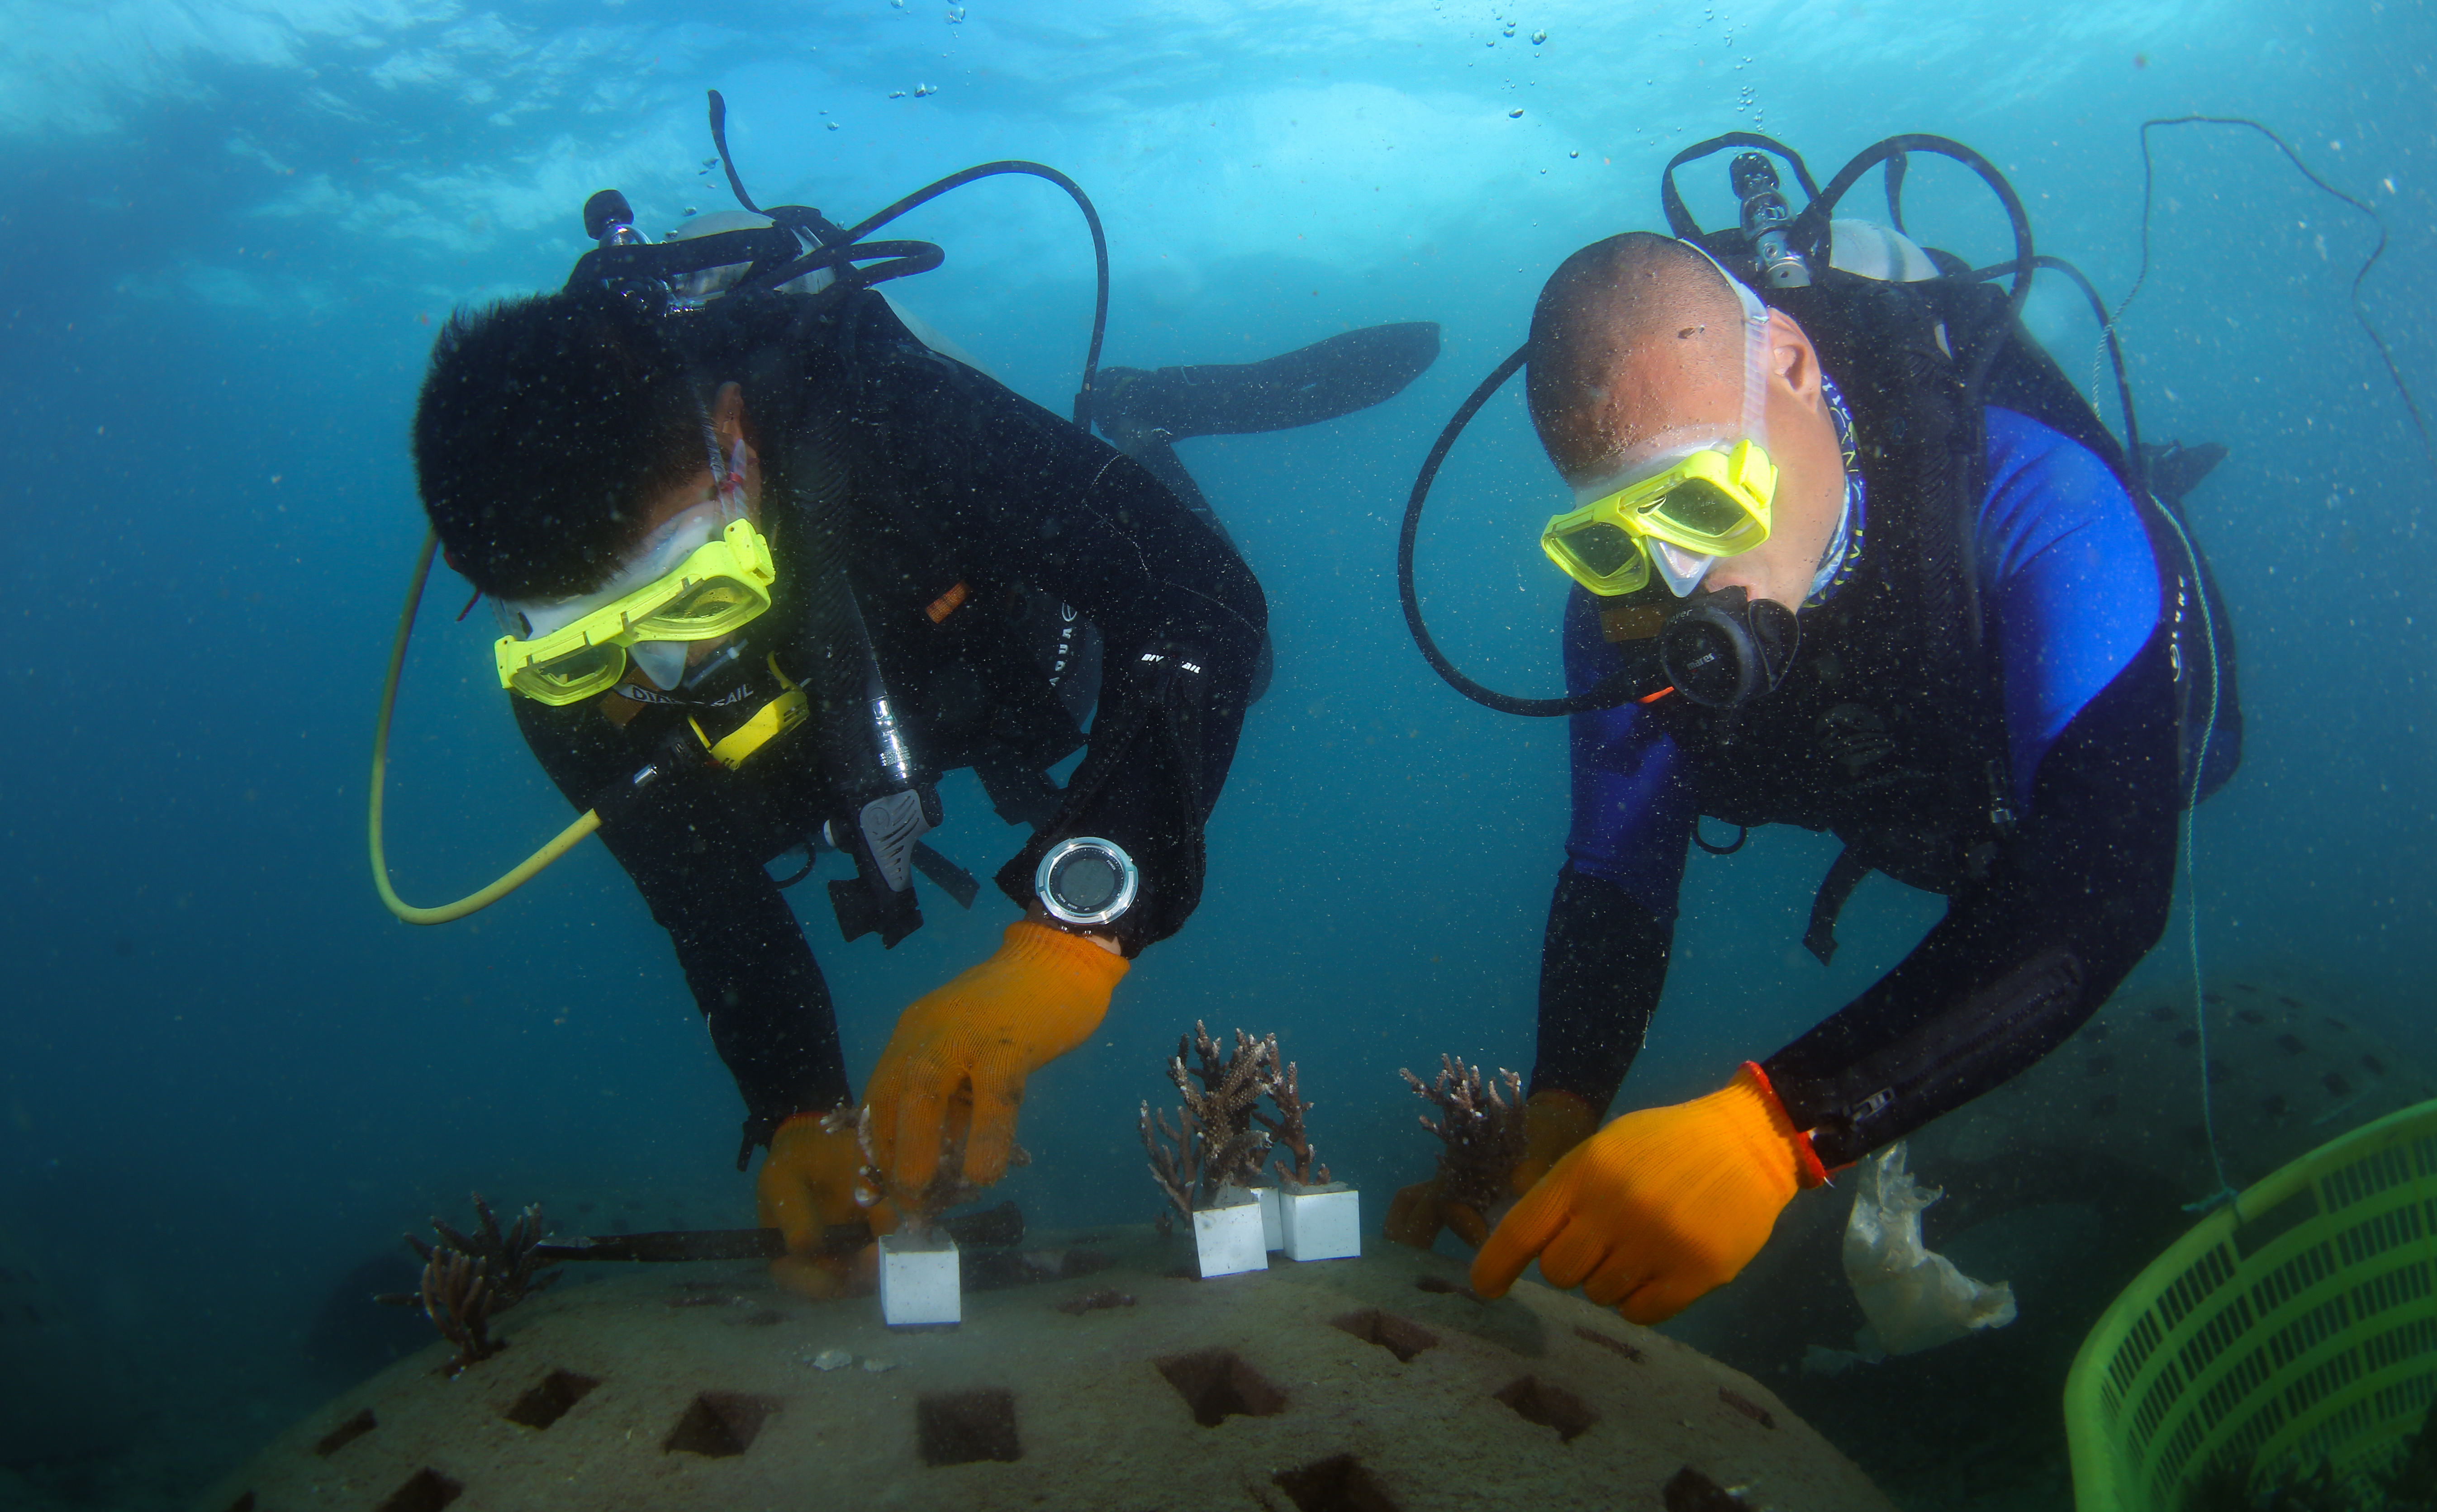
x: 1914, y: 1298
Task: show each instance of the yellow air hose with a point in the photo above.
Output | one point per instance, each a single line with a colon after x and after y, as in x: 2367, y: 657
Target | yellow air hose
x: 525, y: 870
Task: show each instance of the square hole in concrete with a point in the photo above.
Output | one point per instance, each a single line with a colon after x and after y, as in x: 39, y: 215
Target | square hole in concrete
x: 720, y: 1424
x: 1216, y: 1384
x: 548, y: 1400
x: 1692, y: 1492
x: 1608, y: 1341
x: 1337, y: 1484
x: 961, y: 1427
x: 1550, y: 1405
x: 427, y: 1490
x: 1402, y: 1337
x: 347, y: 1433
x: 1747, y: 1407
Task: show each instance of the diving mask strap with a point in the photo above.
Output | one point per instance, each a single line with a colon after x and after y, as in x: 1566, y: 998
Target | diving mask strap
x: 1755, y: 415
x: 1683, y: 570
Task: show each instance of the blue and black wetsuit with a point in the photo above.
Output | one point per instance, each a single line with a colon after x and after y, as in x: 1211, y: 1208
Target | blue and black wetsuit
x: 2046, y: 915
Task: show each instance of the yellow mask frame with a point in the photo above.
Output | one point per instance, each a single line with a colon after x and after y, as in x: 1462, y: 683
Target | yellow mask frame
x: 1709, y: 502
x: 721, y: 586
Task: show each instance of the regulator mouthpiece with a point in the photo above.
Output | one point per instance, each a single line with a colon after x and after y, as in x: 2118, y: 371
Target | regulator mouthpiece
x: 1723, y: 649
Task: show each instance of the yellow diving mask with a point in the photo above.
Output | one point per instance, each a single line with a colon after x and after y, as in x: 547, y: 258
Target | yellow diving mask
x: 573, y: 648
x: 1680, y: 509
x: 1707, y: 502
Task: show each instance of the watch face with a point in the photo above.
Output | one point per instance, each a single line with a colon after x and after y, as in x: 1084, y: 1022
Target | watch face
x: 1086, y: 880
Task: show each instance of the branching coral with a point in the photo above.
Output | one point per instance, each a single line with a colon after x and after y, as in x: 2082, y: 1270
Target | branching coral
x: 469, y: 1278
x: 1287, y: 1129
x: 1213, y: 1141
x: 458, y: 1297
x: 917, y: 1211
x: 509, y: 1259
x: 1484, y: 1132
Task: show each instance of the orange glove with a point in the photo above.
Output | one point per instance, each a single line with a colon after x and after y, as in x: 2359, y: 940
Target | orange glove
x: 1660, y: 1206
x: 805, y: 1188
x: 974, y: 1041
x: 1553, y: 1123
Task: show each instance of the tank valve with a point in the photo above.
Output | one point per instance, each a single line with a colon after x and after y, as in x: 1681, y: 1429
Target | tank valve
x: 1765, y: 215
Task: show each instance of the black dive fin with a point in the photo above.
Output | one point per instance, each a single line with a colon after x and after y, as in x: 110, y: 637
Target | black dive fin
x: 2175, y: 470
x: 1345, y: 373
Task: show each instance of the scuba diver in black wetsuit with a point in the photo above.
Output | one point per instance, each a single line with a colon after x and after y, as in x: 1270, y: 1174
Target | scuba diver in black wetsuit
x: 1850, y: 553
x: 769, y: 563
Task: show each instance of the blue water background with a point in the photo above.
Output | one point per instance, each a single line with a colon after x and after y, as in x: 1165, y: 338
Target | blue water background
x: 226, y: 1074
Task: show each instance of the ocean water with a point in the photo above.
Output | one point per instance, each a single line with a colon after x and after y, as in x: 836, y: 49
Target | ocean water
x: 229, y: 230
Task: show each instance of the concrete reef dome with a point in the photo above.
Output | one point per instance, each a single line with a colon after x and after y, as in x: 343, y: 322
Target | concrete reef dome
x: 1379, y: 1384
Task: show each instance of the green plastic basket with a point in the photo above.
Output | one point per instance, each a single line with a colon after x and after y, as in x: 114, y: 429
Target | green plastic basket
x: 2300, y: 1322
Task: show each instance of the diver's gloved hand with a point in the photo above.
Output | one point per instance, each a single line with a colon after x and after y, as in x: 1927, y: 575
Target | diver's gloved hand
x: 1417, y: 1212
x: 806, y: 1188
x: 977, y: 1040
x: 1553, y: 1123
x: 1660, y: 1206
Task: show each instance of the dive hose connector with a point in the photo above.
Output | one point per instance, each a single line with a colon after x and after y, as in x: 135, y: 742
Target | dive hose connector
x: 609, y: 221
x: 1765, y: 215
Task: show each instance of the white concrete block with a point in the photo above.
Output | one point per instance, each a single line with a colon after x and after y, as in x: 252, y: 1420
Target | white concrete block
x: 1227, y: 1234
x: 1322, y: 1223
x: 919, y: 1283
x: 1273, y: 1237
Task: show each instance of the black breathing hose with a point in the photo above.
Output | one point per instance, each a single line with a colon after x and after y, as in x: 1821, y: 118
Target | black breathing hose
x: 1611, y: 691
x: 840, y: 249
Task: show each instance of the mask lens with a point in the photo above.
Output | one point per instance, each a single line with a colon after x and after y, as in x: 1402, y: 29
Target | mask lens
x: 711, y: 607
x: 1700, y: 508
x: 577, y: 674
x: 1603, y: 549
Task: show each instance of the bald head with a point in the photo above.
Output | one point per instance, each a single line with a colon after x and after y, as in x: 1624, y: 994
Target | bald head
x: 1632, y: 334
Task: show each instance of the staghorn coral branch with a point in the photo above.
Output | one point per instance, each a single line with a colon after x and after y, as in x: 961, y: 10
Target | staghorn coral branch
x: 917, y: 1211
x: 468, y: 1279
x: 1172, y: 1168
x: 508, y: 1258
x: 1288, y: 1128
x: 1214, y: 1141
x: 458, y: 1298
x: 1482, y: 1131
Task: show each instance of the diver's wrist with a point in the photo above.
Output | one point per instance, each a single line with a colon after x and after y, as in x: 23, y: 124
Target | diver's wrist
x: 1036, y: 913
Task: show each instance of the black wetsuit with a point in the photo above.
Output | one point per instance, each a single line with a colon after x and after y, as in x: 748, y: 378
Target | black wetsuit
x: 2047, y: 916
x: 991, y: 548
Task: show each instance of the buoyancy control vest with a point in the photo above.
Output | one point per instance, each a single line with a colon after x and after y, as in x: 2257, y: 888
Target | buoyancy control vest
x: 909, y: 668
x: 1888, y: 728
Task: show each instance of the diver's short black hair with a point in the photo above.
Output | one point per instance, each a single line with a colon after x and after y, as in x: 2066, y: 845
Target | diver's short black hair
x: 543, y: 425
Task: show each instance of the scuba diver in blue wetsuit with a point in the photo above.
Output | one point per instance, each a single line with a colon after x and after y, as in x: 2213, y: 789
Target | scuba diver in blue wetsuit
x: 1850, y: 553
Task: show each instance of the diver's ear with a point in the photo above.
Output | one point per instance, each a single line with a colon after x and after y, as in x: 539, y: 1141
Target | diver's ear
x: 1791, y: 358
